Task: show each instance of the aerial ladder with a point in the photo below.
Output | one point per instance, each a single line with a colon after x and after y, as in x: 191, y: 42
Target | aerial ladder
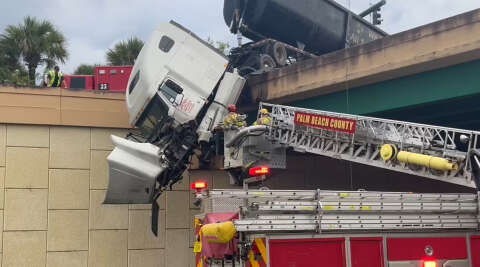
x: 434, y: 152
x: 439, y: 153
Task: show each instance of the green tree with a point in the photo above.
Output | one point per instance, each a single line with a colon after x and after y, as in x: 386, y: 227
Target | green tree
x: 4, y: 75
x: 9, y: 54
x: 85, y: 69
x: 124, y: 52
x: 221, y: 46
x: 19, y: 77
x: 224, y: 47
x: 35, y: 43
x: 4, y: 71
x: 10, y: 68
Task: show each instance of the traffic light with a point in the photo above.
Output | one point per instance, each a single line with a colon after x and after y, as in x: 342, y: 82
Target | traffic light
x: 377, y: 17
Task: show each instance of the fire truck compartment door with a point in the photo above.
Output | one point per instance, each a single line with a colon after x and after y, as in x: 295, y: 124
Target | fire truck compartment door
x: 456, y: 263
x: 133, y: 168
x: 440, y: 263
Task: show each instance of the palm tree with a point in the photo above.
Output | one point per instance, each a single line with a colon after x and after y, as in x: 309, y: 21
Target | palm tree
x: 124, y: 52
x: 37, y: 43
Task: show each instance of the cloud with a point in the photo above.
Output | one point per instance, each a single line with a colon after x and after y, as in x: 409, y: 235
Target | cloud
x: 93, y: 26
x: 401, y: 15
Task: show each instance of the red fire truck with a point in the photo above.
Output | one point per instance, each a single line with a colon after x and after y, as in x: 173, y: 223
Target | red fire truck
x: 106, y: 78
x: 304, y: 228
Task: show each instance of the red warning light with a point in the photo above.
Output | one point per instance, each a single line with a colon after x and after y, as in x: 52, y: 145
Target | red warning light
x: 429, y: 264
x: 198, y: 185
x: 262, y: 170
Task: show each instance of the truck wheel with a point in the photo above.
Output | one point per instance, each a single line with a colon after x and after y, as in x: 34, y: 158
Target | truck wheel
x: 266, y: 62
x: 279, y: 53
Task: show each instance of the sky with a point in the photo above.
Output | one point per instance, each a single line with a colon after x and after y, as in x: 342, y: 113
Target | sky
x: 93, y: 26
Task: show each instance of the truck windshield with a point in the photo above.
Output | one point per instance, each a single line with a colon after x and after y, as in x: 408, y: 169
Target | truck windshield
x: 153, y: 117
x: 171, y: 91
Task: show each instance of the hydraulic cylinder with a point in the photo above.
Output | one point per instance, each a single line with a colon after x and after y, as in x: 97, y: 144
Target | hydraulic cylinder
x: 431, y: 162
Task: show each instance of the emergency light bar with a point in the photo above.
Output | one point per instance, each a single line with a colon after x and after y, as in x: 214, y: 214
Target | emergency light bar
x: 199, y: 185
x: 262, y: 170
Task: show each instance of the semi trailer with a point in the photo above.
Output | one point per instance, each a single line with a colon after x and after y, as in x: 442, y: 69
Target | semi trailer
x: 283, y: 32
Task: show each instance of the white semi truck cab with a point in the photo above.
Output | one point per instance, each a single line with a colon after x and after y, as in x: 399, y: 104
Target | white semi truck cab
x: 178, y: 92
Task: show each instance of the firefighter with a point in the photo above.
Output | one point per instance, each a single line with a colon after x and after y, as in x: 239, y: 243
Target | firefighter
x: 233, y: 119
x: 264, y: 118
x: 54, y: 78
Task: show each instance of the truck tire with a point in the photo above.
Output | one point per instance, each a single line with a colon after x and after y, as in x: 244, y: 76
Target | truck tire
x: 279, y: 53
x: 266, y: 63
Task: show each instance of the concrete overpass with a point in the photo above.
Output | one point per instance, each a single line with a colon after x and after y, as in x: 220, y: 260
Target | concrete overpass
x: 429, y: 74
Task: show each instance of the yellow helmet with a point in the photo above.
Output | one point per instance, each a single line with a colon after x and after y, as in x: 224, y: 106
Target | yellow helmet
x: 263, y: 111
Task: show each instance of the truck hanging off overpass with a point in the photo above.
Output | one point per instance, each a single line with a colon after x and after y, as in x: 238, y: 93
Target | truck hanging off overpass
x: 180, y: 87
x: 177, y: 98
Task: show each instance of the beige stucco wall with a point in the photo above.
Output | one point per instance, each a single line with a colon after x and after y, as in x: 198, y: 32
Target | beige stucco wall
x: 52, y: 184
x: 49, y: 106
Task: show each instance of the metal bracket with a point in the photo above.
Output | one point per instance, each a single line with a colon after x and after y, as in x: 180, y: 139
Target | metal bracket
x: 320, y: 212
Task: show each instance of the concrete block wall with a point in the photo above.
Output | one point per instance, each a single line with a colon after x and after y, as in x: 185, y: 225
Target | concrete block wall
x: 52, y: 183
